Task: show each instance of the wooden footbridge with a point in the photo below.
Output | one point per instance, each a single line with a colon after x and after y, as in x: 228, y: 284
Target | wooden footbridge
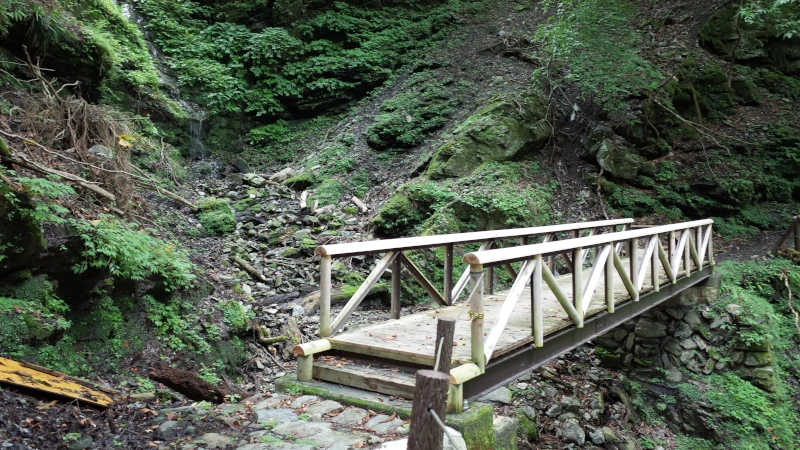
x: 570, y: 283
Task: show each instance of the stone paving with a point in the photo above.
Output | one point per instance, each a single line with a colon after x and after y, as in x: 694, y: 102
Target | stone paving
x: 282, y: 423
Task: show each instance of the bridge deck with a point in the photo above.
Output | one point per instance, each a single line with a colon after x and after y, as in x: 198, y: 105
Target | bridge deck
x: 411, y: 339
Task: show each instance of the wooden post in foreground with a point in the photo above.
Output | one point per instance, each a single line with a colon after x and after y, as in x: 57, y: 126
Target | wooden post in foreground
x: 476, y: 315
x: 430, y: 394
x: 325, y: 296
x: 396, y: 269
x: 445, y: 329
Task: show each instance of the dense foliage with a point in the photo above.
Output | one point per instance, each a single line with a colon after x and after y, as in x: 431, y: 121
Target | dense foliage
x: 324, y: 59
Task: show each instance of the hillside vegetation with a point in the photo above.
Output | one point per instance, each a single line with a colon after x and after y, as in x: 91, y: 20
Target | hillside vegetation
x: 168, y: 167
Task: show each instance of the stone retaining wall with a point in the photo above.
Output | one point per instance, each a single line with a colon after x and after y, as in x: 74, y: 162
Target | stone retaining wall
x: 662, y: 349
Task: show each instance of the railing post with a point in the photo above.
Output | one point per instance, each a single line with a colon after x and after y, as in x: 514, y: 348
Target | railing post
x: 654, y: 277
x: 633, y: 254
x: 397, y: 268
x: 476, y: 314
x: 797, y: 234
x: 536, y: 304
x: 711, y: 262
x: 448, y: 274
x: 609, y: 279
x: 687, y: 258
x: 671, y: 249
x: 577, y: 284
x: 325, y: 296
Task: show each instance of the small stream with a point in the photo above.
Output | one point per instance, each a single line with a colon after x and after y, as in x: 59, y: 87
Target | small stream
x: 194, y: 113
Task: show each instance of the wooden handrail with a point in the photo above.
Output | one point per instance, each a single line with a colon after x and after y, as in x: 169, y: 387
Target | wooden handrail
x: 411, y: 243
x: 394, y: 248
x: 794, y: 226
x: 692, y: 246
x: 501, y: 256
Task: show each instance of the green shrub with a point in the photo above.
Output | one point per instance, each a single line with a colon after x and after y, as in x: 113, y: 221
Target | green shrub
x: 216, y: 216
x: 491, y: 197
x: 424, y: 105
x: 235, y: 316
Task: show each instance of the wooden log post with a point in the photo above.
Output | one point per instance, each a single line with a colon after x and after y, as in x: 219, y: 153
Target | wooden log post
x: 577, y: 283
x: 325, y: 296
x: 397, y: 267
x: 305, y: 368
x: 443, y: 354
x: 633, y: 254
x: 430, y: 394
x: 476, y: 315
x: 537, y: 315
x: 448, y: 274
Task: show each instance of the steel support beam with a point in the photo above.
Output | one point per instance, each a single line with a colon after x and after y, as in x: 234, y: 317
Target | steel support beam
x: 505, y: 368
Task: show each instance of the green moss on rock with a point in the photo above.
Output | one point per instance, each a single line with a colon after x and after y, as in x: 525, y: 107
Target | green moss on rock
x: 476, y: 425
x: 301, y: 181
x: 502, y: 131
x: 216, y: 216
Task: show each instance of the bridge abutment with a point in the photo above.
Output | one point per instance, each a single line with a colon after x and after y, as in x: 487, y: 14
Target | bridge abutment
x: 693, y: 335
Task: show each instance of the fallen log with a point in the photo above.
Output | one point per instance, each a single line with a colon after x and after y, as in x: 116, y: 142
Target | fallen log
x: 189, y: 384
x: 24, y: 162
x: 338, y: 296
x: 356, y: 201
x: 249, y: 269
x: 280, y: 298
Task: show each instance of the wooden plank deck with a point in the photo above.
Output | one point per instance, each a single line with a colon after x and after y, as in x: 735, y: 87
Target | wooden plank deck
x: 411, y: 338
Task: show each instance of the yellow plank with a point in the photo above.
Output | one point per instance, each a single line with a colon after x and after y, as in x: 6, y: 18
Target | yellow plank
x: 14, y: 373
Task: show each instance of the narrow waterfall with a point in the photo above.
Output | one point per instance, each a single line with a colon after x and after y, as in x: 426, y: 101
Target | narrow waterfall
x: 197, y: 149
x: 195, y: 114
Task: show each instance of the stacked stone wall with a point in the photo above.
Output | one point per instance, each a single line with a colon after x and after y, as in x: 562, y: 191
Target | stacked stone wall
x: 690, y: 334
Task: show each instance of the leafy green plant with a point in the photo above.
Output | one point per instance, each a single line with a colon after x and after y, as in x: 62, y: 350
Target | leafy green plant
x: 424, y: 105
x: 216, y: 215
x: 598, y: 55
x: 128, y: 253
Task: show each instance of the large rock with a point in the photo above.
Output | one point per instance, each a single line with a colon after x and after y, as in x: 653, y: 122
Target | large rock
x: 573, y: 432
x: 528, y: 425
x: 283, y: 175
x: 616, y: 159
x: 650, y: 329
x: 501, y: 395
x: 502, y: 131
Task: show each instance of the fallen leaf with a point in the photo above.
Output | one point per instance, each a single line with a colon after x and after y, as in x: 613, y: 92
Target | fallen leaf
x: 390, y: 418
x: 173, y: 416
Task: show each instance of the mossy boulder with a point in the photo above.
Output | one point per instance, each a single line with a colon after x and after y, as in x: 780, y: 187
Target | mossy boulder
x: 30, y: 314
x: 300, y: 182
x: 399, y: 215
x: 21, y: 237
x: 503, y: 131
x: 528, y: 425
x: 476, y: 425
x: 216, y: 216
x: 745, y: 91
x: 617, y: 159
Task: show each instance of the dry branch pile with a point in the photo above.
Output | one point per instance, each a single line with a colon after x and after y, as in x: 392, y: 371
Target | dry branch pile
x: 58, y: 133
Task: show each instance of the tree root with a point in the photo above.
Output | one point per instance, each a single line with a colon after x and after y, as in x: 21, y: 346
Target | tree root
x: 264, y: 338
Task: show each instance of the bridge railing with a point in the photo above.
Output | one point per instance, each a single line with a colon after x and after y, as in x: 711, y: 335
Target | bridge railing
x: 688, y: 245
x: 394, y: 258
